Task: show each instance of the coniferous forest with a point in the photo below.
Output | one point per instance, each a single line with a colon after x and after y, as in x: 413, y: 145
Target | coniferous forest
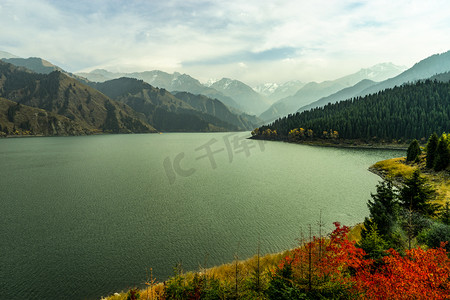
x: 411, y: 111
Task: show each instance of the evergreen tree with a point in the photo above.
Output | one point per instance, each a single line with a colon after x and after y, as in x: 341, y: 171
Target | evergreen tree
x: 383, y: 215
x: 442, y: 154
x: 431, y: 150
x: 444, y: 214
x: 410, y: 111
x: 416, y: 195
x: 413, y: 152
x: 373, y: 243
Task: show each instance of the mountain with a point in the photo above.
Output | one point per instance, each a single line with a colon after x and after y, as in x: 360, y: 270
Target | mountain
x: 34, y: 64
x: 18, y: 119
x: 274, y: 92
x: 60, y: 94
x: 216, y: 108
x: 314, y: 91
x: 409, y: 111
x: 444, y: 77
x: 167, y: 112
x: 251, y: 101
x: 100, y: 75
x: 175, y: 82
x: 426, y: 68
x: 343, y: 94
x: 4, y: 54
x: 39, y: 65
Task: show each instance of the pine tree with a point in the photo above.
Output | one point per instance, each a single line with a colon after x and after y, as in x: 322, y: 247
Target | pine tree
x: 442, y: 154
x: 413, y: 152
x: 383, y: 214
x: 431, y: 150
x: 416, y: 195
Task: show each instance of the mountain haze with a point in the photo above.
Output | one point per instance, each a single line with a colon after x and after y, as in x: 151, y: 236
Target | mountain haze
x: 60, y: 94
x: 245, y: 96
x: 34, y: 64
x: 167, y: 112
x: 426, y: 68
x: 175, y: 82
x: 314, y: 91
x: 406, y: 112
x: 343, y: 94
x: 274, y: 92
x: 218, y: 109
x: 4, y: 54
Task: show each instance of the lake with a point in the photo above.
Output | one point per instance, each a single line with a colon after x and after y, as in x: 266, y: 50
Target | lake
x: 83, y: 217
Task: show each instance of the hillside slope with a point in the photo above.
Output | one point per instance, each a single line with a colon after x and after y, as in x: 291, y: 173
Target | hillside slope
x: 426, y: 68
x: 314, y: 91
x: 18, y: 119
x: 411, y: 111
x: 60, y: 94
x: 162, y: 109
x: 175, y: 82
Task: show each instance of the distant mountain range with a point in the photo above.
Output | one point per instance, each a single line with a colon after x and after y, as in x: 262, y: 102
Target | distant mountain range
x: 34, y: 64
x: 433, y: 65
x: 148, y: 105
x: 274, y: 91
x: 4, y: 54
x: 343, y: 94
x: 426, y: 68
x: 232, y: 93
x: 314, y: 91
x: 102, y: 101
x: 251, y: 101
x: 180, y: 112
x: 175, y: 82
x: 59, y: 94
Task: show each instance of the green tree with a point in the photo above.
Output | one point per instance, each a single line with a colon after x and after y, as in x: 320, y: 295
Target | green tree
x: 442, y: 154
x: 444, y: 213
x: 383, y: 209
x: 417, y: 194
x: 413, y: 152
x: 437, y: 233
x: 431, y: 150
x: 373, y: 243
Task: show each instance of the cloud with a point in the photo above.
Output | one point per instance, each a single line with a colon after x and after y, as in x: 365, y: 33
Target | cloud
x: 274, y: 39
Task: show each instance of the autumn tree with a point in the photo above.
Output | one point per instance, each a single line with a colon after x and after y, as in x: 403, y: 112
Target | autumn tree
x: 420, y: 274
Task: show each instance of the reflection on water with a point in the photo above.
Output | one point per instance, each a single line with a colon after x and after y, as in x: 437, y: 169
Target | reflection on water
x: 85, y: 216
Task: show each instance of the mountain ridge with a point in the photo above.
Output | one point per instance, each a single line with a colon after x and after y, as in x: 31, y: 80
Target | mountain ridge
x: 426, y: 68
x: 57, y: 93
x: 313, y: 91
x: 201, y: 111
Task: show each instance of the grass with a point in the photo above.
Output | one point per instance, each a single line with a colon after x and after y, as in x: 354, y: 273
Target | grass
x: 395, y: 168
x: 398, y: 168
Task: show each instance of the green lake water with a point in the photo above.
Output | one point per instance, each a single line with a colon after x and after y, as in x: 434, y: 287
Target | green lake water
x: 83, y: 217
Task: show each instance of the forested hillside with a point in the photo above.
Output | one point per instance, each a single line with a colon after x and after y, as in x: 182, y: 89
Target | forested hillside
x: 65, y: 96
x: 412, y: 111
x: 167, y: 112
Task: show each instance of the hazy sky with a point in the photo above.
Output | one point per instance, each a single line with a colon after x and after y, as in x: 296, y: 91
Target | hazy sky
x: 251, y: 40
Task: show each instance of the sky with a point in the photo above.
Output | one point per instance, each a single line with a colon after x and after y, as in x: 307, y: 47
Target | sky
x: 255, y: 41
